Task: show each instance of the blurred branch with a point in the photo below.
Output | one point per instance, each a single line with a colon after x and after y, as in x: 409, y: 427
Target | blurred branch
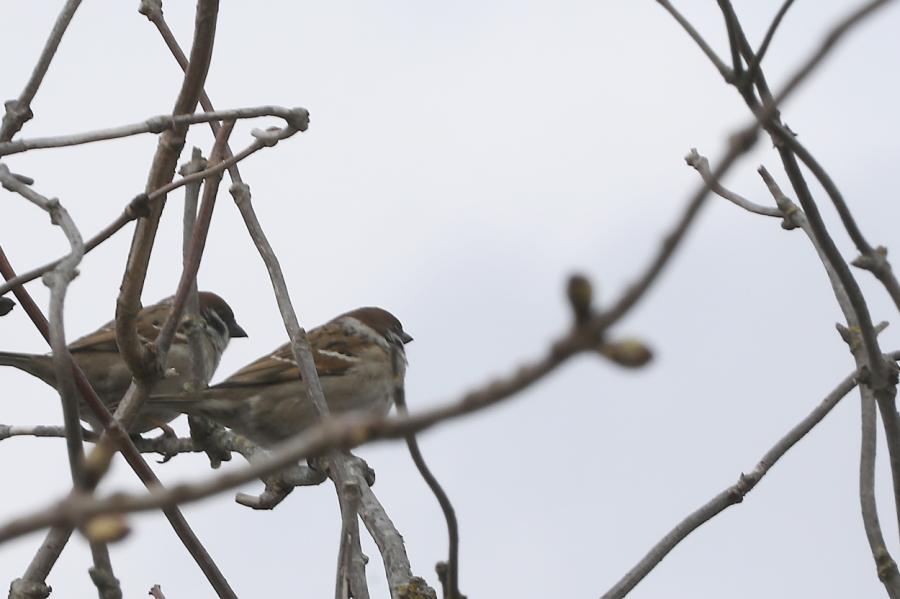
x: 338, y: 465
x: 346, y: 433
x: 883, y: 380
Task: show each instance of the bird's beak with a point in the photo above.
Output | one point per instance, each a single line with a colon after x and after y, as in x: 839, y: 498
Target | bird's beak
x: 405, y: 337
x: 235, y: 330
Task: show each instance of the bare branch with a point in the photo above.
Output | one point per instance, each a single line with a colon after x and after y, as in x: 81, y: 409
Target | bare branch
x: 140, y: 360
x: 58, y: 281
x: 750, y: 75
x: 726, y: 73
x: 734, y: 494
x: 156, y: 125
x: 18, y: 111
x: 450, y: 579
x: 140, y: 205
x: 885, y: 566
x: 351, y: 570
x: 390, y: 545
x: 701, y: 165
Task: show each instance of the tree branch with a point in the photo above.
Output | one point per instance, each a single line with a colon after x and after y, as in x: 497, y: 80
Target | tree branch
x: 734, y: 494
x: 18, y: 111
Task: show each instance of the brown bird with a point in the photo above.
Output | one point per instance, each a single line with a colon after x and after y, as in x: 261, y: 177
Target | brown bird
x: 97, y: 354
x: 266, y: 400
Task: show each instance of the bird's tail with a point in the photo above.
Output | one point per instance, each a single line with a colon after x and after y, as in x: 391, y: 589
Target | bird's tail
x: 202, y: 402
x: 35, y: 365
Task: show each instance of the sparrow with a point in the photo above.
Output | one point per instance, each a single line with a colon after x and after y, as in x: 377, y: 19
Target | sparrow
x: 266, y: 400
x: 97, y: 354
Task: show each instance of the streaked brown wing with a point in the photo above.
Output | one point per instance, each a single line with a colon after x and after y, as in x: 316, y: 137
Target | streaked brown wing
x: 103, y: 339
x: 149, y: 323
x: 274, y: 368
x: 279, y: 366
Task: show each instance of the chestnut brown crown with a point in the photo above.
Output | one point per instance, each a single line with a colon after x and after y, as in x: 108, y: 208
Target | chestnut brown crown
x: 382, y: 322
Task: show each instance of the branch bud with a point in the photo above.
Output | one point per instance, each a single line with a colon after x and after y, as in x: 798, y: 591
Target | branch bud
x: 581, y: 296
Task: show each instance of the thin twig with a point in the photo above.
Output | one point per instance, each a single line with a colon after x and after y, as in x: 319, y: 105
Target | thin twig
x: 140, y: 205
x: 732, y: 495
x: 351, y: 571
x: 156, y: 125
x: 58, y: 281
x: 723, y: 69
x: 701, y: 165
x: 18, y: 111
x: 885, y: 566
x: 451, y: 573
x: 139, y: 359
x: 750, y: 75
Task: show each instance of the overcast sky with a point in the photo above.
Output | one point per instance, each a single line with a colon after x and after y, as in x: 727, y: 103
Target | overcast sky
x: 462, y: 160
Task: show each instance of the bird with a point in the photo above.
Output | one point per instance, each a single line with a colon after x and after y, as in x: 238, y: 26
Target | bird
x: 266, y: 400
x: 97, y: 354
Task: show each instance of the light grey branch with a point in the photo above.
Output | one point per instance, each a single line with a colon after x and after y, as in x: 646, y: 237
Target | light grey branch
x: 885, y: 566
x: 883, y: 393
x: 338, y: 469
x: 351, y: 563
x: 734, y: 494
x: 18, y: 111
x: 701, y: 165
x: 297, y: 118
x: 58, y: 281
x: 141, y: 204
x: 723, y: 69
x: 391, y: 547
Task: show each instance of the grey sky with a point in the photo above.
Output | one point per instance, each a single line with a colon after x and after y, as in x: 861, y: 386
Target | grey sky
x: 461, y: 161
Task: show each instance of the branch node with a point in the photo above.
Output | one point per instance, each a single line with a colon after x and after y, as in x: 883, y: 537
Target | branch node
x: 29, y: 589
x: 152, y: 9
x: 874, y: 261
x: 268, y: 137
x: 298, y: 118
x: 17, y: 114
x: 107, y: 584
x: 240, y: 192
x: 139, y: 207
x: 158, y: 124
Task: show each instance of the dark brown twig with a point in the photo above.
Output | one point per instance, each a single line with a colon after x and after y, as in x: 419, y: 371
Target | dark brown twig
x: 450, y: 579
